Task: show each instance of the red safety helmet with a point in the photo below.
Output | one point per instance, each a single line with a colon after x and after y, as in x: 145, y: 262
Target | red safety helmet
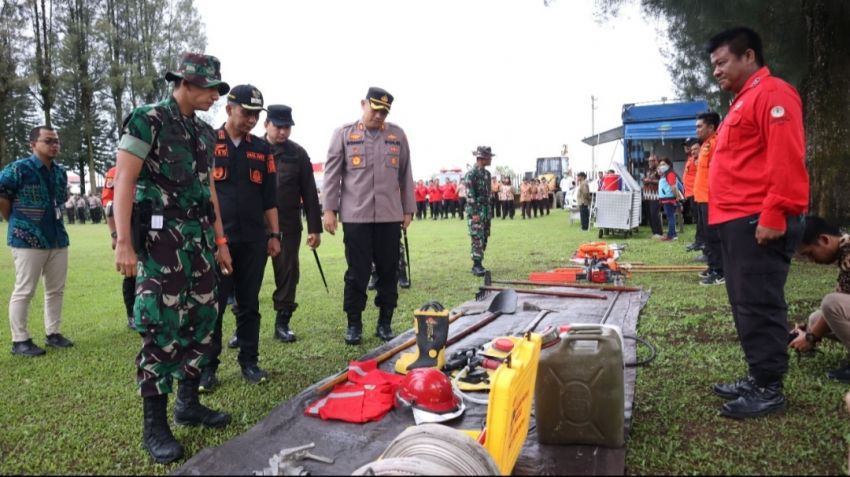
x: 427, y: 389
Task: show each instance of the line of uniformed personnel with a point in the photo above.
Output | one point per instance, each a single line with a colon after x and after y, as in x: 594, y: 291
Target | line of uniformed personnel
x: 198, y: 211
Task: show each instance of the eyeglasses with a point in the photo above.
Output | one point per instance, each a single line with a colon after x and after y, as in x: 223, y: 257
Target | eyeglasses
x: 50, y: 141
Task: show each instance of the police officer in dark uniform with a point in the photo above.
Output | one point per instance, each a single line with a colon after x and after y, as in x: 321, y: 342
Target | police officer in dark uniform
x: 245, y: 179
x: 295, y: 186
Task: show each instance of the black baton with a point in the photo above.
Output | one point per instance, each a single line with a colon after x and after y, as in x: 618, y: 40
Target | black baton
x: 319, y: 264
x: 407, y: 255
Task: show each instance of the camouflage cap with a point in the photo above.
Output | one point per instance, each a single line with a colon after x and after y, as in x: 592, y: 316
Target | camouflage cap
x: 201, y: 70
x: 483, y: 151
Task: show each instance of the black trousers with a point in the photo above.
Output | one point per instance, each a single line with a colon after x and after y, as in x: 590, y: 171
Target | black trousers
x: 420, y: 210
x: 435, y: 210
x: 584, y: 212
x: 71, y: 214
x: 755, y: 283
x: 461, y: 206
x: 508, y: 209
x: 249, y: 264
x: 712, y: 240
x: 366, y: 244
x: 287, y: 272
x: 128, y: 291
x: 654, y: 218
x: 696, y: 213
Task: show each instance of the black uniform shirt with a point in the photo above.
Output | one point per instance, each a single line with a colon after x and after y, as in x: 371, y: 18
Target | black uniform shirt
x: 296, y: 185
x: 245, y: 185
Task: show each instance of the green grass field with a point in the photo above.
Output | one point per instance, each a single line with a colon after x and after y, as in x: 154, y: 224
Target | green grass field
x: 76, y: 411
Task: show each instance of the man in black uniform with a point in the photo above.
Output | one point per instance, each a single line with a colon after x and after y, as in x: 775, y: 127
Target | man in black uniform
x: 295, y: 185
x: 245, y: 182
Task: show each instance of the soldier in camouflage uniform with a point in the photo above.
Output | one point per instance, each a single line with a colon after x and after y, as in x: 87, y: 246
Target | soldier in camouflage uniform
x: 478, y: 212
x: 166, y: 154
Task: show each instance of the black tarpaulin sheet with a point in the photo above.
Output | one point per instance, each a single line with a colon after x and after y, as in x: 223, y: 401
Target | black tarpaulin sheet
x: 353, y: 445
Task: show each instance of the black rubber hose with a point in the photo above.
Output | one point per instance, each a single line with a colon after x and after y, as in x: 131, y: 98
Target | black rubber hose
x: 648, y: 345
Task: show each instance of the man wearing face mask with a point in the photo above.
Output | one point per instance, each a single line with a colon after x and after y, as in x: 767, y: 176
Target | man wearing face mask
x: 245, y: 178
x: 759, y: 193
x: 369, y: 184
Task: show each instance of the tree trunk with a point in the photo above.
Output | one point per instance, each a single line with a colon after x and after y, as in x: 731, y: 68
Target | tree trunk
x: 43, y: 29
x: 827, y: 93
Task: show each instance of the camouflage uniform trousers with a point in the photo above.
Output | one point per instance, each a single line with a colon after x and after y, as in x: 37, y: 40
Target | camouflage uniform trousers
x: 479, y: 232
x: 175, y: 310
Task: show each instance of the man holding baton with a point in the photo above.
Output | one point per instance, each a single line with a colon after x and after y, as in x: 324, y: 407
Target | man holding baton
x: 369, y: 183
x: 295, y: 186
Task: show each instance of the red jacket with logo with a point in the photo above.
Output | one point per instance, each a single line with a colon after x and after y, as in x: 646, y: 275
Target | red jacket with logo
x: 759, y: 164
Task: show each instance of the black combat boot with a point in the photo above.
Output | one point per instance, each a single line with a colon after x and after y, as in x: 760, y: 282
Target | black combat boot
x: 354, y: 333
x: 156, y: 435
x: 188, y: 410
x: 385, y: 329
x: 208, y: 380
x: 281, y: 327
x: 233, y: 342
x: 734, y: 390
x: 478, y: 269
x: 755, y: 402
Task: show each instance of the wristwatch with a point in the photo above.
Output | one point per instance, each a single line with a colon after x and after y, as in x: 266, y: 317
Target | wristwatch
x: 277, y: 235
x: 811, y: 338
x: 114, y: 235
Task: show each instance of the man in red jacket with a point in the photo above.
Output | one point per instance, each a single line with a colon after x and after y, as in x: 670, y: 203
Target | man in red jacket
x: 420, y: 193
x: 435, y: 196
x: 759, y: 191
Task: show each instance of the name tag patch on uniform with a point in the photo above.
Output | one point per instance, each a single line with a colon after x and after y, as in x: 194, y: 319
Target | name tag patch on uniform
x: 256, y: 156
x: 777, y: 112
x: 256, y: 176
x: 394, y: 143
x: 349, y: 143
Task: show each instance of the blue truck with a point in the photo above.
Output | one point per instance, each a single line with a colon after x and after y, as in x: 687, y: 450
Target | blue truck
x: 653, y: 128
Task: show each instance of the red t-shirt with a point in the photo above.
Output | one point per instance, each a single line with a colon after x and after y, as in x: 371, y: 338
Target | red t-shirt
x: 420, y: 192
x: 434, y: 194
x: 449, y: 192
x: 759, y: 164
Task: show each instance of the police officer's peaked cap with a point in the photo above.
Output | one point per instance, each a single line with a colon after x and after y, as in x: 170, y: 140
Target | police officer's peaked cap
x: 280, y: 115
x: 199, y: 69
x: 247, y: 96
x: 379, y: 98
x: 483, y: 151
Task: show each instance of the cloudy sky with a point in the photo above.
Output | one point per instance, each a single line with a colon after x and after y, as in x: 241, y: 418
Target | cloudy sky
x: 511, y: 74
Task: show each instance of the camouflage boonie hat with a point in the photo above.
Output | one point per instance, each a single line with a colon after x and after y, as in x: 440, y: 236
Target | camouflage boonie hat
x: 201, y: 70
x: 483, y: 151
